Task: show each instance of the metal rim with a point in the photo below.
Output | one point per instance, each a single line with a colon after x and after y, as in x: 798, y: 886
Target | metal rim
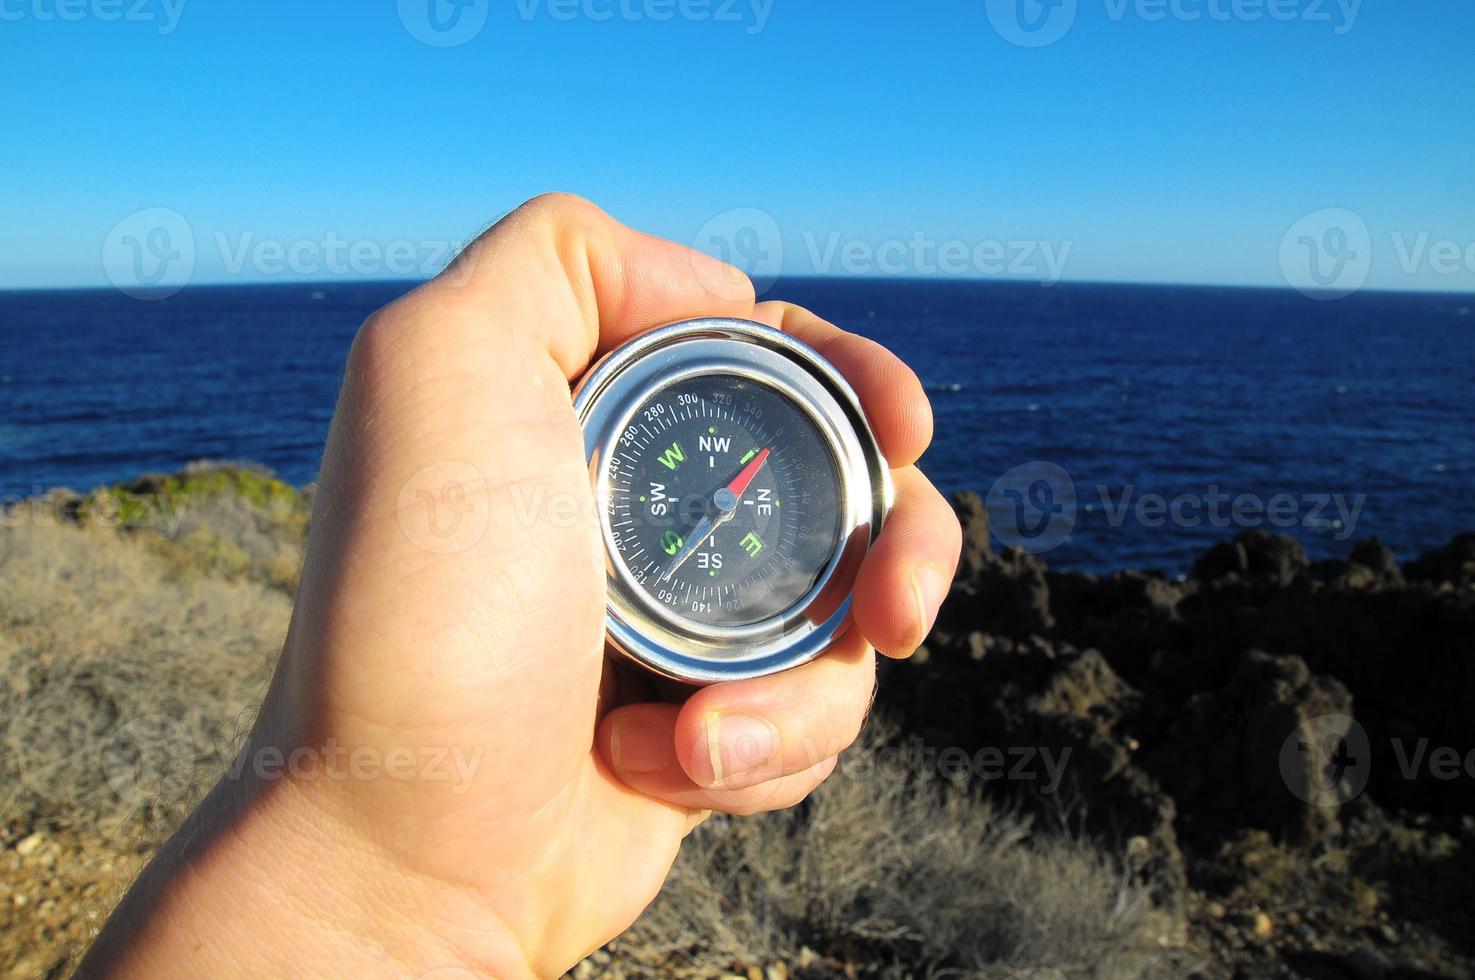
x: 611, y: 392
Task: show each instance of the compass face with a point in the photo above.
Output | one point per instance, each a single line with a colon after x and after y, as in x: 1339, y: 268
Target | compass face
x: 723, y: 501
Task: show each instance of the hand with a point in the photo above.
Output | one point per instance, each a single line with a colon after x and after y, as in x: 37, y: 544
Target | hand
x: 450, y: 603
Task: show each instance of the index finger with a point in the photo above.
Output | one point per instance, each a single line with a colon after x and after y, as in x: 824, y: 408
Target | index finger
x: 561, y: 274
x: 889, y: 391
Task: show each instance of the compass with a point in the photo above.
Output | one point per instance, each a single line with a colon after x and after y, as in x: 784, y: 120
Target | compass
x: 738, y: 487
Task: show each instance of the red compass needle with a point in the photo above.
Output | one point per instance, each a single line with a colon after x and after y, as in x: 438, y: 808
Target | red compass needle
x: 739, y: 484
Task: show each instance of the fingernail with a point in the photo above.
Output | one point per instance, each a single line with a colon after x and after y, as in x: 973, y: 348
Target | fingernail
x: 736, y: 744
x: 636, y: 747
x: 931, y: 588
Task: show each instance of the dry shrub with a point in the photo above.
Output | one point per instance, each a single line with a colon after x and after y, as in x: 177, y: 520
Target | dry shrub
x: 889, y: 877
x: 228, y: 520
x: 123, y: 685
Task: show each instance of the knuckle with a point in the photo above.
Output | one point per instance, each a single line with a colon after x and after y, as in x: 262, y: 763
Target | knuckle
x: 794, y: 312
x: 398, y: 335
x: 551, y: 215
x: 558, y: 209
x: 372, y: 350
x: 381, y: 344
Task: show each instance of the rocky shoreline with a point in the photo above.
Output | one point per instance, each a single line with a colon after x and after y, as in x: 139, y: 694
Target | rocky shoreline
x: 1284, y: 749
x: 1271, y: 756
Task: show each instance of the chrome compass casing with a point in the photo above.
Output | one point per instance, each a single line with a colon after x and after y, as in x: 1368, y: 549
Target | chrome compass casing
x: 606, y: 400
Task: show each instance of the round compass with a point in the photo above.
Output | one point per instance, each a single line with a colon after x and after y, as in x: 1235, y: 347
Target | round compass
x: 739, y: 486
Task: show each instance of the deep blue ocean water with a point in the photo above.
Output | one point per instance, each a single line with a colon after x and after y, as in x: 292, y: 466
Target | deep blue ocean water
x: 1129, y: 389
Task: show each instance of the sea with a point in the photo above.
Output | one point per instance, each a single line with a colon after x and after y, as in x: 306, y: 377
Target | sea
x: 1108, y: 426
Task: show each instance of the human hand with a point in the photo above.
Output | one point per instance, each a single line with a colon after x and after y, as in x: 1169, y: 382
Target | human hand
x: 479, y: 631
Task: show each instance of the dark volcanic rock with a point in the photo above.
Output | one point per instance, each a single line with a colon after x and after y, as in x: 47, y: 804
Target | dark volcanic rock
x: 1406, y: 654
x: 1372, y: 565
x: 1191, y: 713
x: 1453, y: 564
x: 977, y: 549
x: 1379, y: 559
x: 1253, y: 554
x: 1132, y: 617
x: 1005, y: 592
x: 1175, y: 701
x: 1225, y: 760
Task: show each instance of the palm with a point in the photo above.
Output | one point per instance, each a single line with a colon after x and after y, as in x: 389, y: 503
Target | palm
x: 501, y: 666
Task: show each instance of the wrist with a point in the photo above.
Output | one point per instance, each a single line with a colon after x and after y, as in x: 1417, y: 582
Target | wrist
x: 264, y: 879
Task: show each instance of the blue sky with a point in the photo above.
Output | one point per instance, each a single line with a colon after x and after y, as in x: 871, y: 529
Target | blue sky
x: 1149, y: 140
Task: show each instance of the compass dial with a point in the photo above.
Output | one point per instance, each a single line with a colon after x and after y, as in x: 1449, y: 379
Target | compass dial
x: 723, y: 501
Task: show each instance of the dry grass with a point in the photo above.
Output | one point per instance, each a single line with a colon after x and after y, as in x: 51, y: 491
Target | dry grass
x: 129, y: 661
x: 134, y: 650
x: 880, y: 876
